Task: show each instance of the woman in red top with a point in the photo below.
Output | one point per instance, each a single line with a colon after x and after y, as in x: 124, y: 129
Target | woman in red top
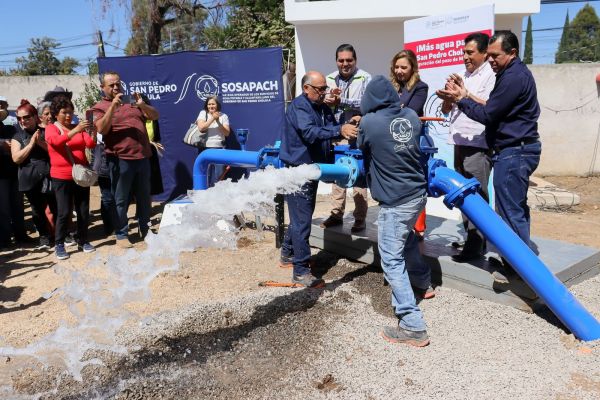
x: 67, y: 144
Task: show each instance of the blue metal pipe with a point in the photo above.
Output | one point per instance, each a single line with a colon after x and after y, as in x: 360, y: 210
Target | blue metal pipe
x: 463, y: 194
x: 235, y: 158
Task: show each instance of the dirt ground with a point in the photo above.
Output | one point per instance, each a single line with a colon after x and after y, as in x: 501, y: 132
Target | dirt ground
x: 27, y: 312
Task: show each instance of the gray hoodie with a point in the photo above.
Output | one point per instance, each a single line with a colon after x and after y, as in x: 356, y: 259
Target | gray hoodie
x: 389, y: 138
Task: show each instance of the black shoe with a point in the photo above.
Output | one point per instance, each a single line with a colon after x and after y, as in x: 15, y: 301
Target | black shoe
x: 25, y: 240
x: 308, y: 280
x: 466, y: 256
x: 359, y: 225
x: 398, y: 335
x: 457, y: 245
x: 331, y: 221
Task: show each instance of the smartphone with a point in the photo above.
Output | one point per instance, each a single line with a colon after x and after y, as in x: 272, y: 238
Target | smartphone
x: 128, y: 99
x: 89, y: 116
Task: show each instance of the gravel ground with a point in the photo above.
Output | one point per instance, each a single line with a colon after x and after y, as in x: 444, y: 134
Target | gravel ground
x: 209, y: 332
x: 325, y: 344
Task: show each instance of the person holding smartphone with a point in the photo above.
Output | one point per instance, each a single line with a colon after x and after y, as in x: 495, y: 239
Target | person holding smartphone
x: 127, y: 148
x: 66, y: 147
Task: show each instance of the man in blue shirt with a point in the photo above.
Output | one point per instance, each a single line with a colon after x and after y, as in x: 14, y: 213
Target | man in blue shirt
x: 310, y: 127
x: 510, y: 117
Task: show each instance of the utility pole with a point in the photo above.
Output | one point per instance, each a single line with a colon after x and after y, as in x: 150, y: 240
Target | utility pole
x: 100, y: 45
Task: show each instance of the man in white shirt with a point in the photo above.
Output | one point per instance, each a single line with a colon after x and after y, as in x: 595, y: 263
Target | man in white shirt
x: 472, y: 156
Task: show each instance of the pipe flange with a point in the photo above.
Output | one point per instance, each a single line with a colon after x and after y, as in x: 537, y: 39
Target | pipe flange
x: 456, y: 197
x: 354, y: 170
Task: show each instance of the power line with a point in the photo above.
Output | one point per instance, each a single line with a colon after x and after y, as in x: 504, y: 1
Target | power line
x: 55, y: 48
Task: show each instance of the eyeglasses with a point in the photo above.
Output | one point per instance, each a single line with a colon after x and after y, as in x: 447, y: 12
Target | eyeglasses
x: 24, y: 117
x: 319, y: 89
x: 345, y: 60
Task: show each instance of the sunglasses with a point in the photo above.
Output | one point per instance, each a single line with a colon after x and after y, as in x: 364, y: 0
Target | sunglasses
x: 24, y: 117
x: 319, y: 88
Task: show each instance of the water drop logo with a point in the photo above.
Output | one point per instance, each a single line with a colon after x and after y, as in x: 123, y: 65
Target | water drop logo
x: 206, y: 86
x: 401, y: 130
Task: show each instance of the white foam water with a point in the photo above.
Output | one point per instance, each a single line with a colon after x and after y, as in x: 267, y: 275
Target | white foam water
x: 98, y: 304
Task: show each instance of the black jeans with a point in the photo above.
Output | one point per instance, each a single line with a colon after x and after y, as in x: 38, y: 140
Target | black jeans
x: 39, y: 201
x: 12, y: 217
x: 67, y: 193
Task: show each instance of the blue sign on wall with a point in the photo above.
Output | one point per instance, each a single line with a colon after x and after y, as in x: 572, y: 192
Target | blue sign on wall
x: 247, y: 82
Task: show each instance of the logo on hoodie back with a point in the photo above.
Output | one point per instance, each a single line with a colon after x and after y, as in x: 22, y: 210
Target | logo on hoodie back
x: 402, y: 132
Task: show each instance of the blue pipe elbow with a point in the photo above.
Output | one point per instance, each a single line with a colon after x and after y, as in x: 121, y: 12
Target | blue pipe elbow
x: 549, y: 288
x: 235, y: 158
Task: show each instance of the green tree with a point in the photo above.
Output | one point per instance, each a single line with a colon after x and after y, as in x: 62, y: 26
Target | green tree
x: 528, y: 52
x: 160, y: 26
x: 583, y: 38
x: 250, y: 24
x: 561, y: 53
x: 41, y: 60
x: 90, y: 94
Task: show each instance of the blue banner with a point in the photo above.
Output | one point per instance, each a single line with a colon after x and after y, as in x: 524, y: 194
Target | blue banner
x: 247, y: 82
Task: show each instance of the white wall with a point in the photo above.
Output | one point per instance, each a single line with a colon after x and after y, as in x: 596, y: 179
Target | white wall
x: 569, y: 123
x: 15, y: 88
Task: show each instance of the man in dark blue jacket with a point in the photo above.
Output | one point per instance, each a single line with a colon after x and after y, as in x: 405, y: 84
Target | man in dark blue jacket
x: 389, y: 137
x: 309, y: 129
x: 510, y: 117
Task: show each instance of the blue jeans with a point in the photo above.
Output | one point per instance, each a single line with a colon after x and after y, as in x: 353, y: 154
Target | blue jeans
x: 512, y: 168
x: 401, y: 258
x: 301, y: 206
x: 130, y: 177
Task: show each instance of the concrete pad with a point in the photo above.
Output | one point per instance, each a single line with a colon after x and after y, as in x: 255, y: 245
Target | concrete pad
x: 570, y: 263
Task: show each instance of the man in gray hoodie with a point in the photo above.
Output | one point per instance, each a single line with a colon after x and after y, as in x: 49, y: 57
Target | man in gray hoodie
x: 389, y: 138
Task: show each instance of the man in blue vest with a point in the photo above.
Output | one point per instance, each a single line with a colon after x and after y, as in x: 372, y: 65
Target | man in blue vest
x: 310, y: 127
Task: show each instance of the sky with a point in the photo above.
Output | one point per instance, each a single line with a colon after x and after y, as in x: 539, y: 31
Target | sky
x: 74, y: 23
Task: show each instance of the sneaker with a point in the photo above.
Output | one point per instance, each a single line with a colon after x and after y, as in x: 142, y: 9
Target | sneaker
x: 331, y: 221
x: 124, y: 243
x: 308, y: 280
x: 359, y: 225
x: 44, y: 243
x: 60, y: 251
x: 70, y: 240
x: 399, y: 335
x: 424, y: 294
x: 86, y: 248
